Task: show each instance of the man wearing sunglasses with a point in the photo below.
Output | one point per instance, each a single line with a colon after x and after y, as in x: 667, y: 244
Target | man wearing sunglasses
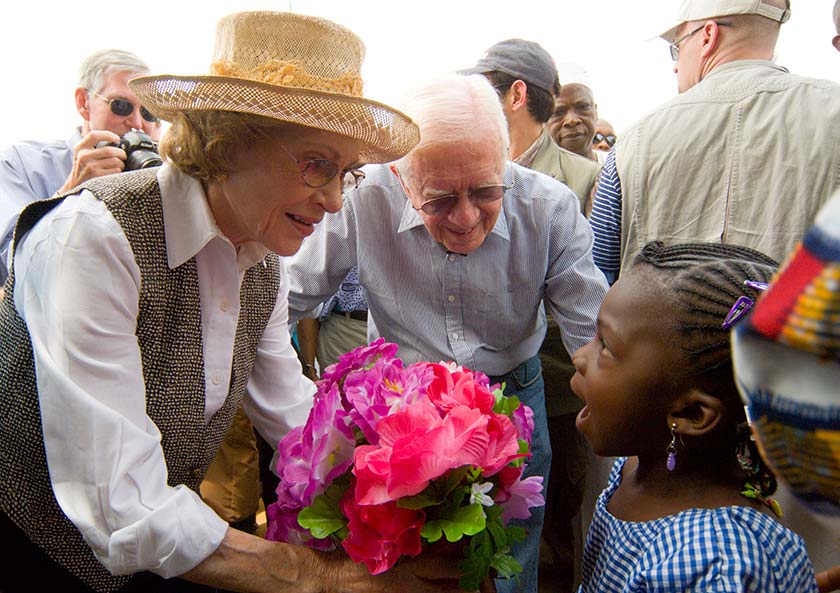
x: 35, y: 170
x: 604, y: 138
x: 457, y: 248
x: 745, y: 154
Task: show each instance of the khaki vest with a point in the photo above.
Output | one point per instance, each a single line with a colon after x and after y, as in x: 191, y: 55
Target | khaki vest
x: 169, y: 334
x: 747, y: 156
x: 578, y: 172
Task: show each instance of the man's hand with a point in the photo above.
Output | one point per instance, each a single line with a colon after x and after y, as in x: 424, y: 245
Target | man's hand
x: 90, y: 162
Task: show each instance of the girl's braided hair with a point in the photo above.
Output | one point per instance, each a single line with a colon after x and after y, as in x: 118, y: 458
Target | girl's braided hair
x: 702, y: 281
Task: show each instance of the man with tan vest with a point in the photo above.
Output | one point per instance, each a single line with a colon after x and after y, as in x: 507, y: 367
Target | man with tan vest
x: 746, y: 154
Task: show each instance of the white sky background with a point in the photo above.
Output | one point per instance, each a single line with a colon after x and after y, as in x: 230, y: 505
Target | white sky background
x: 604, y: 43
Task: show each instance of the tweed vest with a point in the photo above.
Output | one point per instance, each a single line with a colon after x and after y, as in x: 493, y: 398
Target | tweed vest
x: 169, y: 335
x: 746, y: 156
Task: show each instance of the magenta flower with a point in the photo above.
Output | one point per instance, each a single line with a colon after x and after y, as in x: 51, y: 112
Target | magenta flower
x: 359, y: 358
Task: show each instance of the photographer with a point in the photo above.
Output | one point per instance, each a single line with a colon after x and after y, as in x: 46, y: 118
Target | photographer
x: 35, y: 170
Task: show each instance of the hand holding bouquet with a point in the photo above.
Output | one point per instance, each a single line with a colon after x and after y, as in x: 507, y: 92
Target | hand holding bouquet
x: 393, y: 459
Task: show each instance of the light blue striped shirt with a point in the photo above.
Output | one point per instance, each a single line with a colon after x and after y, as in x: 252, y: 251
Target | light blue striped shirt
x: 723, y: 550
x: 482, y: 310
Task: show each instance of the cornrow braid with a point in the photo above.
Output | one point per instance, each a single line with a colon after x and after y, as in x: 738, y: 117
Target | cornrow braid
x: 703, y: 281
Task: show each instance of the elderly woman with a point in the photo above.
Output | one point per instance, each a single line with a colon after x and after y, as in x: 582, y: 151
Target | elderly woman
x: 141, y: 311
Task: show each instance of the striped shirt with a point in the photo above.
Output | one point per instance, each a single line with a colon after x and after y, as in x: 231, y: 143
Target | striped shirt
x: 482, y: 310
x: 726, y: 549
x: 605, y: 219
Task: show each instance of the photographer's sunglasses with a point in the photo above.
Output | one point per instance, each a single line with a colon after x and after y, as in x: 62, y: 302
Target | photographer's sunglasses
x: 124, y: 108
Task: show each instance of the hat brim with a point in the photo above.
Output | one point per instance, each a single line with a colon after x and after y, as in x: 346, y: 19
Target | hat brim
x: 385, y: 134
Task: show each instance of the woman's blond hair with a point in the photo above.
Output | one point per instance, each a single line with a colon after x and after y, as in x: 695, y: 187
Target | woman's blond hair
x: 203, y: 144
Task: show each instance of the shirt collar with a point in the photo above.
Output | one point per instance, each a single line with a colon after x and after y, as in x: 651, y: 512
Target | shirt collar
x: 526, y: 159
x: 189, y: 223
x: 411, y: 218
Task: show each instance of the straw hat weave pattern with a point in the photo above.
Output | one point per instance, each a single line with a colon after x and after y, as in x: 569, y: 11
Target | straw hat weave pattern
x: 300, y: 69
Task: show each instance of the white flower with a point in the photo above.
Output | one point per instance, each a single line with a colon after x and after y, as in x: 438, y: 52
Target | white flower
x: 478, y: 494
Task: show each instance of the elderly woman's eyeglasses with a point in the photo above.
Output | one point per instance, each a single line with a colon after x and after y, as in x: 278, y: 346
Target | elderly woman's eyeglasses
x: 319, y: 172
x: 608, y: 138
x: 124, y: 108
x: 479, y: 196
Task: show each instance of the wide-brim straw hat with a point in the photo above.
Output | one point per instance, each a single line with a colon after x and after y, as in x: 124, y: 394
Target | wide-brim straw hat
x: 290, y: 67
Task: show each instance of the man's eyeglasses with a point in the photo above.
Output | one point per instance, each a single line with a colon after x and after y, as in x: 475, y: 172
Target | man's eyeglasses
x: 608, y: 138
x: 124, y: 108
x: 479, y: 196
x: 319, y: 172
x: 675, y: 46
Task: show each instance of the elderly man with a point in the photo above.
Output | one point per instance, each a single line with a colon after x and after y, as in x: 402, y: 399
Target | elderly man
x: 457, y: 249
x: 525, y: 76
x: 746, y: 154
x: 35, y: 170
x: 572, y: 125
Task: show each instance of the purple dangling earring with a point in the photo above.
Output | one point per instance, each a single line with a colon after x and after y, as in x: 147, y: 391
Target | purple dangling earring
x: 671, y: 463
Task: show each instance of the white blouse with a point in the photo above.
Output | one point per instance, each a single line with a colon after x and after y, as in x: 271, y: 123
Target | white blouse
x: 77, y: 288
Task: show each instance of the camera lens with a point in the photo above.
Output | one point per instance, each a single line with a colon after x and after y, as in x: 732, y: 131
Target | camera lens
x: 142, y: 159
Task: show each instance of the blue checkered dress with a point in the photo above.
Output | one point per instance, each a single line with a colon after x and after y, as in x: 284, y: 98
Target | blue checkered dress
x: 710, y: 550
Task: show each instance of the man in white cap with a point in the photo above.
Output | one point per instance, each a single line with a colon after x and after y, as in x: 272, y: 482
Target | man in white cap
x: 746, y: 154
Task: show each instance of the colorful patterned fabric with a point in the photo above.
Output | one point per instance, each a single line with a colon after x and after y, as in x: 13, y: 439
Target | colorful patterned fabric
x: 787, y: 366
x: 730, y: 548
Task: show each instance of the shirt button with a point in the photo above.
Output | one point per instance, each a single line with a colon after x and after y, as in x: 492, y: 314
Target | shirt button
x: 450, y: 298
x: 216, y: 379
x: 450, y: 257
x: 455, y: 336
x: 223, y: 306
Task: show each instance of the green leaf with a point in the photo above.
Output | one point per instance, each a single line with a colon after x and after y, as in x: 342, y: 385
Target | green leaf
x: 477, y: 561
x: 322, y: 518
x: 506, y: 405
x: 505, y: 565
x: 467, y: 520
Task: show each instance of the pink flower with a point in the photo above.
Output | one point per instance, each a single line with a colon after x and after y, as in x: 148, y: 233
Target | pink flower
x: 380, y: 534
x: 458, y: 388
x: 416, y: 446
x: 502, y: 444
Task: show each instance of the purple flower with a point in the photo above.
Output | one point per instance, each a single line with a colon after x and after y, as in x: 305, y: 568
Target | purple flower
x: 359, y: 358
x: 523, y: 420
x: 379, y: 391
x: 524, y: 494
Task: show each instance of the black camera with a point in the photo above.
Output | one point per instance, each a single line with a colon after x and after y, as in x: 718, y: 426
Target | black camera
x: 141, y: 151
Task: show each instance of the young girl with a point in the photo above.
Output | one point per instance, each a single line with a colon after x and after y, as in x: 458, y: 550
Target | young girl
x: 686, y: 507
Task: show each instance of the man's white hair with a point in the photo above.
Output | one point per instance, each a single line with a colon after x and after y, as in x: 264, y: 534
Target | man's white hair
x: 97, y: 67
x: 456, y: 109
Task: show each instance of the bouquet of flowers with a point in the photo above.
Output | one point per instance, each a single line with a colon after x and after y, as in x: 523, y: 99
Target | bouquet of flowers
x: 394, y: 458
